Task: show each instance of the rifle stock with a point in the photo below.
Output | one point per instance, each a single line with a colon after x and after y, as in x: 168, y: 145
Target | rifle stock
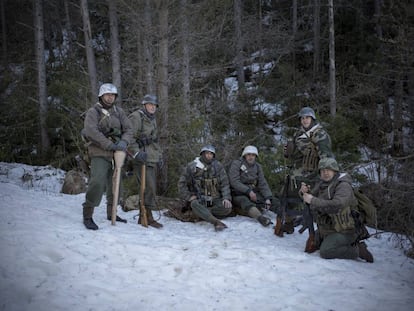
x: 119, y: 158
x: 281, y: 216
x: 142, y: 211
x: 310, y: 246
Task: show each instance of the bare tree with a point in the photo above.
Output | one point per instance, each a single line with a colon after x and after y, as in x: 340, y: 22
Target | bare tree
x: 316, y: 38
x: 147, y: 39
x: 163, y: 82
x: 237, y: 5
x: 294, y: 34
x: 115, y: 47
x: 3, y: 32
x: 332, y: 70
x: 41, y: 75
x: 90, y: 56
x: 186, y: 54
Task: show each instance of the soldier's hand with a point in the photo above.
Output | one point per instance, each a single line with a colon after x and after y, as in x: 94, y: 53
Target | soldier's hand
x: 252, y: 196
x: 141, y: 157
x: 304, y: 188
x: 307, y: 198
x: 227, y: 204
x: 121, y: 145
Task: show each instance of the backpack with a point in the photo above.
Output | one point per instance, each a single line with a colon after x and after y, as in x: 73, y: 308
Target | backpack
x: 366, y: 208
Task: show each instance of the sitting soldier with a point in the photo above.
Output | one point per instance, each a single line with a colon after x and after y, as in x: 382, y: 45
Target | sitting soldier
x: 249, y: 186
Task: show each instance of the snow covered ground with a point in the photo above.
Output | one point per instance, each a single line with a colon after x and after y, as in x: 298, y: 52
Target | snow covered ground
x: 49, y: 261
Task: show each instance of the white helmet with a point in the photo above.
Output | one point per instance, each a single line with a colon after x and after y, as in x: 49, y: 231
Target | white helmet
x: 250, y: 149
x: 209, y: 148
x: 107, y: 88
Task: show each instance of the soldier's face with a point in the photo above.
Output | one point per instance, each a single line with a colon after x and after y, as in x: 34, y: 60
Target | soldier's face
x: 306, y: 121
x: 208, y: 156
x: 327, y: 174
x: 250, y: 158
x: 108, y: 99
x: 151, y: 108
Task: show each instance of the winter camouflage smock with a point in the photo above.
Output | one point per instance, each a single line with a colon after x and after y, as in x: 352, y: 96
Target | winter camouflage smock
x: 103, y: 127
x: 245, y: 177
x: 310, y: 145
x: 202, y: 179
x: 332, y: 203
x: 145, y: 135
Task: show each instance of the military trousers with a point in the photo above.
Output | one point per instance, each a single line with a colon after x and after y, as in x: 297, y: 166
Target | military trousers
x: 339, y: 245
x: 150, y: 183
x: 100, y: 181
x: 209, y: 213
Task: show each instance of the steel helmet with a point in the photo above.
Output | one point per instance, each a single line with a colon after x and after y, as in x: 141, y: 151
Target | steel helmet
x: 307, y: 112
x: 150, y: 99
x: 107, y: 88
x: 209, y: 148
x: 250, y: 149
x: 328, y: 163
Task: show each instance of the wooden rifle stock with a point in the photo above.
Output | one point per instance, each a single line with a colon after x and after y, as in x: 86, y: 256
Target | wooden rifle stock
x: 310, y: 246
x: 119, y: 158
x: 142, y: 211
x: 281, y: 216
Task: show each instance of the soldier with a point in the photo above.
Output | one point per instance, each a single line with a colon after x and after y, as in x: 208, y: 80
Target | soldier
x: 205, y: 186
x: 107, y: 129
x: 331, y: 201
x: 310, y: 143
x: 147, y: 151
x: 249, y: 187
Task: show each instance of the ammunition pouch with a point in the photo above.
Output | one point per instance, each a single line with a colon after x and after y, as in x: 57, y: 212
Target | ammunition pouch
x: 145, y: 141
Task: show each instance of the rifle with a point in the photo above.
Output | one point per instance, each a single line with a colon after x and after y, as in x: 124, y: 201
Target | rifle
x: 308, y: 224
x: 281, y: 216
x: 119, y: 158
x: 142, y: 211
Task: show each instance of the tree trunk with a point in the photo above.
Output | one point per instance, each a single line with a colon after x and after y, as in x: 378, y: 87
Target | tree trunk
x: 90, y: 55
x: 149, y: 60
x: 316, y: 39
x: 377, y: 18
x: 186, y: 55
x: 115, y: 48
x: 239, y: 43
x: 294, y: 33
x: 332, y: 70
x: 41, y: 76
x: 3, y: 33
x: 164, y: 83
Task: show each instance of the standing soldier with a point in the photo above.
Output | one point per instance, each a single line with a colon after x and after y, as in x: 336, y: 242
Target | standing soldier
x: 107, y: 129
x: 205, y: 186
x: 249, y: 187
x: 147, y: 151
x: 310, y: 143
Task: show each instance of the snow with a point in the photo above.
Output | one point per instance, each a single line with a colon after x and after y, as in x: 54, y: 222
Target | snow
x: 50, y: 261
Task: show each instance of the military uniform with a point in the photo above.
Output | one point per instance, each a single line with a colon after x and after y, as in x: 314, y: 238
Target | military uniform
x: 245, y: 177
x: 103, y: 127
x: 208, y: 182
x: 146, y: 140
x: 331, y: 201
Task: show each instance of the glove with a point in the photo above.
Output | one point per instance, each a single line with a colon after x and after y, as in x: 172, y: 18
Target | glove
x: 227, y: 204
x: 140, y: 157
x: 121, y: 145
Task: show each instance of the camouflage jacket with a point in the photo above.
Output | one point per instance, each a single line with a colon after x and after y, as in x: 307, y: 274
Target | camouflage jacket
x: 332, y: 204
x: 244, y: 177
x: 200, y: 178
x: 145, y: 136
x: 309, y: 147
x: 102, y: 127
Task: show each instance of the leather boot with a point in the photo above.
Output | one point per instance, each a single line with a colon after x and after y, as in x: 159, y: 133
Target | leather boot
x: 151, y: 221
x: 364, y: 253
x: 219, y: 226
